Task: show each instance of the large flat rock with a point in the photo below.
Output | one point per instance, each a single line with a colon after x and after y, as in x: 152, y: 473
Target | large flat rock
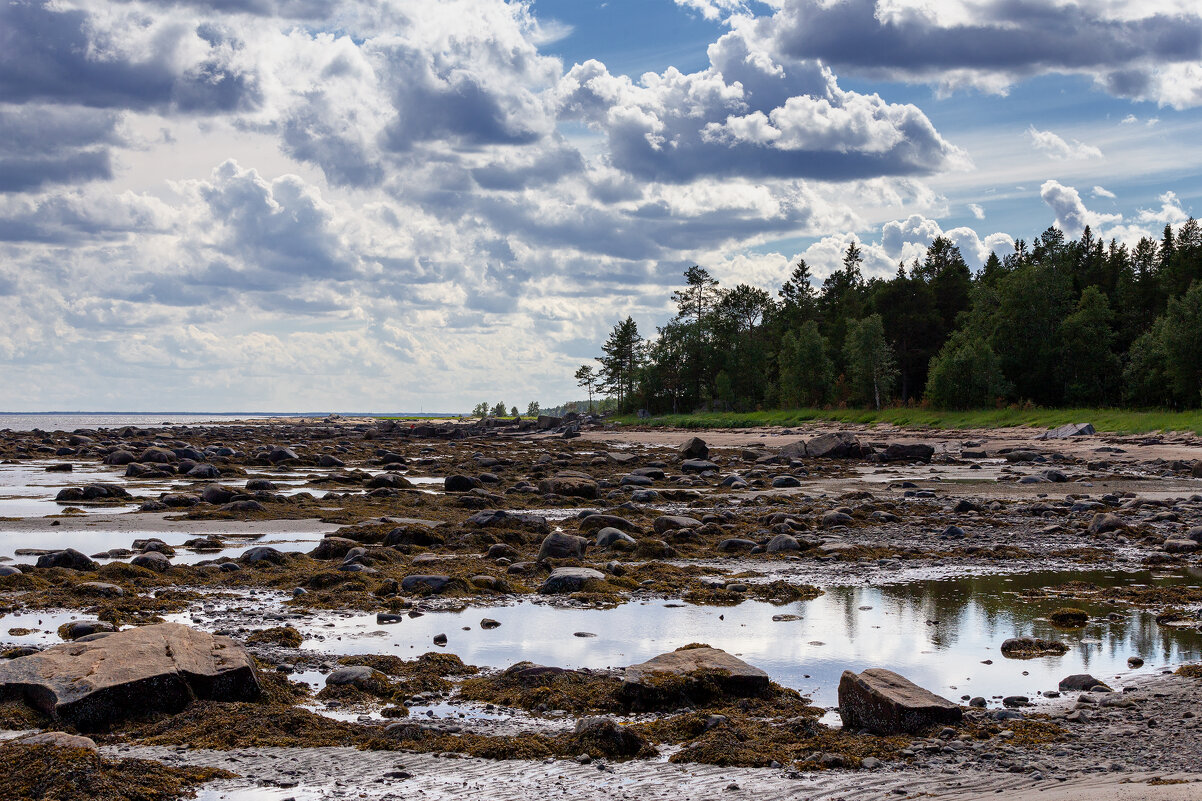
x: 731, y: 674
x: 159, y: 668
x: 885, y: 703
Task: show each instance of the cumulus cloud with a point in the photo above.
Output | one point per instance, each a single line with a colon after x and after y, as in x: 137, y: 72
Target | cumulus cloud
x: 1058, y: 149
x: 1071, y: 214
x: 1144, y: 51
x: 43, y: 145
x: 752, y: 115
x: 977, y: 210
x: 118, y: 58
x: 1099, y: 191
x: 1169, y: 213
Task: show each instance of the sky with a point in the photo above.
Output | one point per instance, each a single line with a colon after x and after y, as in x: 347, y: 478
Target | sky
x: 404, y: 205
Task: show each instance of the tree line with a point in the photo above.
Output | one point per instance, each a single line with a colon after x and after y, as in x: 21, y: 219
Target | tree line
x: 1058, y: 322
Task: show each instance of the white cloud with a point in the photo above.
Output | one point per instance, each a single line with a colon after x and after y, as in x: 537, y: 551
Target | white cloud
x: 1057, y: 148
x: 1102, y: 192
x: 1169, y: 213
x: 977, y: 210
x: 1137, y: 50
x: 1071, y: 214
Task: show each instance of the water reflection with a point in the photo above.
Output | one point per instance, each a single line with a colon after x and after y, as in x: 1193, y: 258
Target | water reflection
x: 937, y: 633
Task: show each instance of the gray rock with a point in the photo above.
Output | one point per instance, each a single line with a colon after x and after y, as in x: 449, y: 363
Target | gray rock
x: 569, y: 579
x: 885, y: 703
x: 559, y: 545
x: 263, y: 553
x: 69, y: 558
x: 898, y: 452
x: 783, y: 543
x: 1080, y: 682
x: 665, y: 523
x: 159, y: 668
x: 458, y: 483
x: 608, y: 537
x: 730, y: 674
x: 1068, y: 431
x: 152, y: 560
x: 697, y: 466
x: 694, y: 448
x: 435, y: 584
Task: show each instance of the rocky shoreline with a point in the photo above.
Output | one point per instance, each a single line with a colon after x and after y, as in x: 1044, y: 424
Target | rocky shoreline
x: 403, y: 520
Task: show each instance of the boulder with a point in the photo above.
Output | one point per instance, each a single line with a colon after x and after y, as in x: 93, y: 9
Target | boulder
x: 333, y: 548
x: 1068, y: 431
x: 840, y: 445
x: 694, y: 448
x: 499, y: 517
x: 569, y: 486
x: 700, y: 670
x: 1105, y: 522
x: 595, y: 522
x: 390, y: 480
x: 218, y: 494
x: 159, y: 668
x: 1081, y: 682
x: 69, y: 558
x: 558, y: 545
x: 665, y: 523
x: 358, y: 676
x: 898, y: 452
x: 458, y: 483
x: 434, y: 584
x: 783, y: 543
x: 609, y: 537
x: 885, y: 703
x: 569, y: 579
x: 1031, y: 647
x: 57, y: 739
x: 697, y: 466
x: 263, y: 553
x: 152, y: 560
x: 280, y: 454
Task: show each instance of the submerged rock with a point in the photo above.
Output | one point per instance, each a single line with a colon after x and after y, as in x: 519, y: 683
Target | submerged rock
x: 885, y: 703
x: 160, y: 668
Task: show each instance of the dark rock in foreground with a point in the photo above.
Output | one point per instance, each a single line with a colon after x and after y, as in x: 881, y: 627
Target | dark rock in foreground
x: 160, y: 668
x: 885, y: 703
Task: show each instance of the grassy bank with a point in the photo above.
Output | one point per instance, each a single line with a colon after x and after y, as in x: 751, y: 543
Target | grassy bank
x: 1111, y: 420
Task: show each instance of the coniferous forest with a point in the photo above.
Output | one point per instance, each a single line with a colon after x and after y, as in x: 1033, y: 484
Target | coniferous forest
x: 1056, y: 323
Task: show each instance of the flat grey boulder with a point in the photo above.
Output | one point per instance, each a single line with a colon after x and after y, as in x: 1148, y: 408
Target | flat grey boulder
x: 160, y: 668
x: 731, y: 675
x: 665, y: 523
x: 839, y: 445
x: 697, y: 466
x: 595, y: 522
x: 885, y: 703
x: 1068, y: 431
x: 569, y: 579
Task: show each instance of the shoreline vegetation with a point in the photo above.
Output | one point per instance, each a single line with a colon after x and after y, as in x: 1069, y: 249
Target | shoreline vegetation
x: 1114, y: 421
x: 1056, y: 324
